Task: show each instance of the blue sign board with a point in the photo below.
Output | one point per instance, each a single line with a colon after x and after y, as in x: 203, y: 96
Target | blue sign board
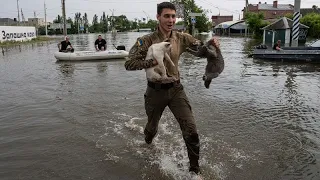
x: 193, y: 20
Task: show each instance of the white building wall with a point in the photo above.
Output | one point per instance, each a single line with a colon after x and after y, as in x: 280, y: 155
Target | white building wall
x: 17, y: 33
x: 287, y: 38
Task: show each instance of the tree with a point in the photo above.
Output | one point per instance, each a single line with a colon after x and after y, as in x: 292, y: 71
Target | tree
x: 313, y: 21
x: 73, y: 30
x: 135, y: 24
x: 77, y: 21
x: 122, y: 23
x: 58, y: 19
x: 202, y: 22
x: 56, y: 31
x: 180, y: 23
x: 255, y: 23
x: 289, y: 15
x: 95, y: 24
x: 315, y: 7
x: 103, y: 23
x: 85, y: 22
x: 152, y: 24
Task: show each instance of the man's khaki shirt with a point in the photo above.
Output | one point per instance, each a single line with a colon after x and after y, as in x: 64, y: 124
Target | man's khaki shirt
x: 179, y: 41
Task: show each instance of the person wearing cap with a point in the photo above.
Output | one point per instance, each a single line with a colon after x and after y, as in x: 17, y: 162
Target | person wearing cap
x: 100, y: 44
x: 63, y: 45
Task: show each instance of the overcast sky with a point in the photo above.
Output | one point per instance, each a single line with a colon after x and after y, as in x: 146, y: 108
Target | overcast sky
x: 131, y: 8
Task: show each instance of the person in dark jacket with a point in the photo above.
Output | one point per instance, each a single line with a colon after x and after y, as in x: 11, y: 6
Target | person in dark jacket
x: 100, y: 44
x: 277, y: 46
x: 63, y: 45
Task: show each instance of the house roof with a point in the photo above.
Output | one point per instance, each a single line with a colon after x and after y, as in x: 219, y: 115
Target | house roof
x: 6, y: 20
x: 305, y: 11
x: 279, y: 7
x: 227, y: 24
x: 283, y: 23
x: 239, y: 26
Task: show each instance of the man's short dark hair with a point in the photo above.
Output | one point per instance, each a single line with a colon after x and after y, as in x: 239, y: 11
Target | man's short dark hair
x: 164, y: 5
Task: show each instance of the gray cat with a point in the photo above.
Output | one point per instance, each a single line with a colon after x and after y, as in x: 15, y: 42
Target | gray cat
x: 215, y: 62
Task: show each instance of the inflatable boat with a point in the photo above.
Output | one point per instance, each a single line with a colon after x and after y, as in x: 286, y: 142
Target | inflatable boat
x: 119, y: 53
x: 90, y: 55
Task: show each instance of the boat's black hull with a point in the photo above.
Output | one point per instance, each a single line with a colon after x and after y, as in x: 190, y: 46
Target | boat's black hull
x: 306, y: 55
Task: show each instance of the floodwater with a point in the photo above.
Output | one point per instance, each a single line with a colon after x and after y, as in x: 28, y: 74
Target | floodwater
x: 85, y: 120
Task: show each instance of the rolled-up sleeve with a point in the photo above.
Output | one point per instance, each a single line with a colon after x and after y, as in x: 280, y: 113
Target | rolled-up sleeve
x: 189, y: 41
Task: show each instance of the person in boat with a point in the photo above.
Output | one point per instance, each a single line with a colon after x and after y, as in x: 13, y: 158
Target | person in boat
x: 159, y: 95
x: 277, y: 46
x: 63, y: 45
x: 100, y: 44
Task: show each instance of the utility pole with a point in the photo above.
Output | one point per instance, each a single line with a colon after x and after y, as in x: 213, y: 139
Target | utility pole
x: 45, y: 17
x: 244, y: 16
x: 295, y: 27
x: 247, y: 6
x: 112, y: 21
x: 148, y: 17
x: 64, y: 17
x: 18, y: 12
x: 36, y: 21
x: 22, y: 18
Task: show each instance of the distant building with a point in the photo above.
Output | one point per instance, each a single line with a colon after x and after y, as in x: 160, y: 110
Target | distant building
x: 7, y: 21
x: 231, y: 28
x: 56, y: 26
x: 304, y: 11
x: 220, y: 19
x: 36, y: 22
x: 145, y: 30
x: 270, y: 11
x: 282, y: 30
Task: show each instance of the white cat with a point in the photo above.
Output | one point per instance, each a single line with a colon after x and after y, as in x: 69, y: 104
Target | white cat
x: 159, y: 52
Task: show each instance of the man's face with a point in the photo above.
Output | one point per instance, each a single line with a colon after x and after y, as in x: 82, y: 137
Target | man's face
x: 67, y: 38
x: 99, y: 37
x: 167, y: 19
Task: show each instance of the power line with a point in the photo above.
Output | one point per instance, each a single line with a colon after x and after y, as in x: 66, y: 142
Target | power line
x: 31, y: 10
x: 118, y: 12
x: 227, y: 10
x: 117, y: 2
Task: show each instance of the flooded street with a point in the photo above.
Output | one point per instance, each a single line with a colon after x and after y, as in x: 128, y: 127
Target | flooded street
x: 85, y: 120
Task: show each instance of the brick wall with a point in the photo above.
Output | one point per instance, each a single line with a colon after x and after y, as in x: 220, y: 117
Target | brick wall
x: 268, y: 14
x: 220, y: 19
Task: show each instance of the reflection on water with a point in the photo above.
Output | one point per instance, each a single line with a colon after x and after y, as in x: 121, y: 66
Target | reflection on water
x: 85, y: 120
x: 249, y: 43
x: 102, y: 67
x: 67, y: 69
